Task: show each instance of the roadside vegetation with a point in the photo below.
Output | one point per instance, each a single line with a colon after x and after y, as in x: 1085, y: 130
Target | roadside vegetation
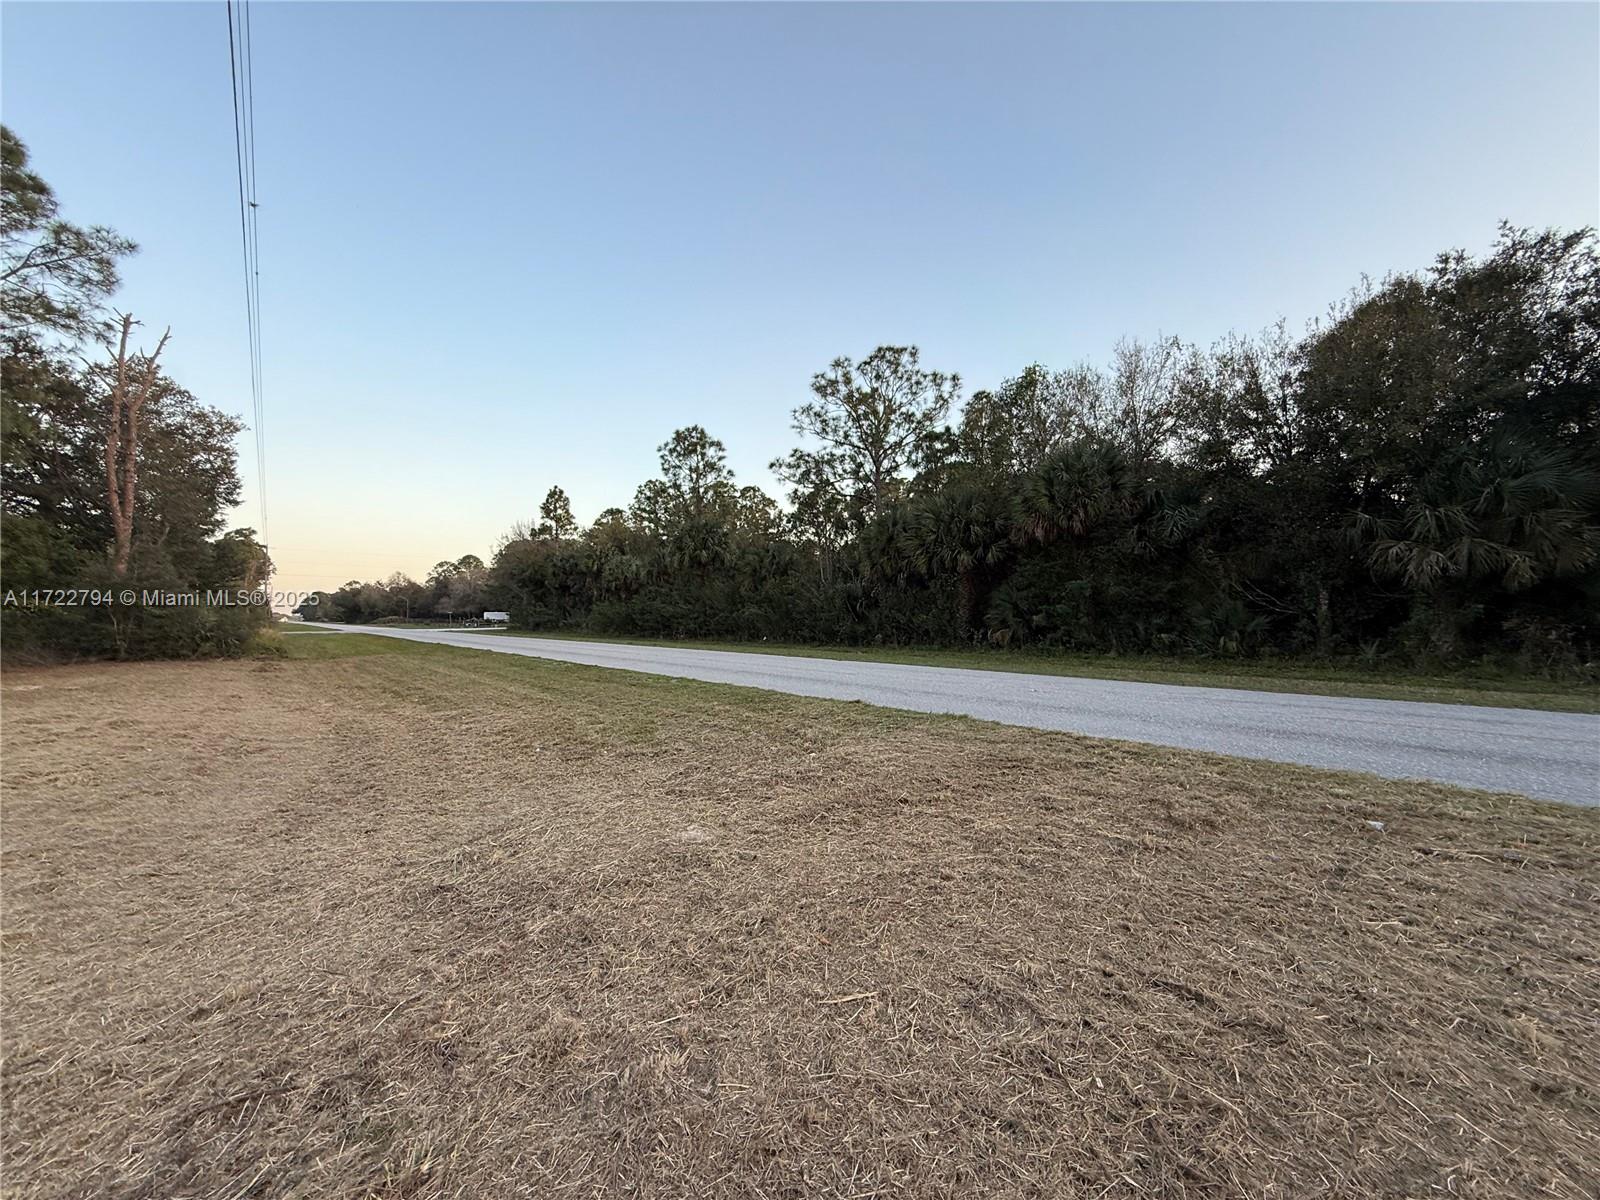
x: 381, y: 918
x: 113, y: 477
x: 1412, y: 484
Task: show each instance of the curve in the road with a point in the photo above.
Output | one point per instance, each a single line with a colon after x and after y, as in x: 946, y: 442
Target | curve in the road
x: 1555, y: 756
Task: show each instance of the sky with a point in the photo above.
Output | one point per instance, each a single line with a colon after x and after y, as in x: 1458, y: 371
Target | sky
x: 505, y: 246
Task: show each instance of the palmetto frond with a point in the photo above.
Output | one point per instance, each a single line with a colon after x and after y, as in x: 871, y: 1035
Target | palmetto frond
x: 959, y: 530
x: 1076, y: 490
x: 1505, y: 510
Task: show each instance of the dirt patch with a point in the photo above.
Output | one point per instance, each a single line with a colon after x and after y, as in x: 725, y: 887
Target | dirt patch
x: 437, y: 923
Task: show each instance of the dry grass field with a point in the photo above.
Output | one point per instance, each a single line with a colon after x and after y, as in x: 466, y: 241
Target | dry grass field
x: 387, y: 919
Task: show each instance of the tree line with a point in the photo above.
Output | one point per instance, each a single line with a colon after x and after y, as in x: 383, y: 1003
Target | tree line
x: 115, y: 479
x: 1415, y: 477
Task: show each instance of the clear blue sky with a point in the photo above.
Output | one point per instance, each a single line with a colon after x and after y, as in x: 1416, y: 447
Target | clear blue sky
x: 507, y: 245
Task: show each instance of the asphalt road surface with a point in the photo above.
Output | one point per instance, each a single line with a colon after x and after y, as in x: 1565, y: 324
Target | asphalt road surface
x: 1555, y: 756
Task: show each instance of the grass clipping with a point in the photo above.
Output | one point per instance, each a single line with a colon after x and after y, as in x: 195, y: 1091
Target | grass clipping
x: 395, y: 920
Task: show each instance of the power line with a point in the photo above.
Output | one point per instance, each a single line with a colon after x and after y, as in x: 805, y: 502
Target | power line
x: 255, y: 239
x: 241, y: 70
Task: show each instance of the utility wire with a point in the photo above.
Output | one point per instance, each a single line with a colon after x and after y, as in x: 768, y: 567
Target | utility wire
x: 241, y: 70
x: 255, y: 240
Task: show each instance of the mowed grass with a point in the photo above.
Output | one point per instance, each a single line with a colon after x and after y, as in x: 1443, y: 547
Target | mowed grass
x: 392, y: 919
x: 1499, y: 691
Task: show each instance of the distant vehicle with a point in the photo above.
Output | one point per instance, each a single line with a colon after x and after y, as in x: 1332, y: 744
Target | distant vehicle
x: 496, y: 618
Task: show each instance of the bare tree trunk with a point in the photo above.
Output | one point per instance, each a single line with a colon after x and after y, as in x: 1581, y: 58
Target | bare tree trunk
x: 122, y: 444
x: 1324, y: 624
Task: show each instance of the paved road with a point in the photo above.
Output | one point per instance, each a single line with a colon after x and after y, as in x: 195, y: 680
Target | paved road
x: 1551, y: 755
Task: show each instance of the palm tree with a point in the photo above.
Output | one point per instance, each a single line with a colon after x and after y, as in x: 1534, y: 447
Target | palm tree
x: 1509, y: 513
x: 1076, y: 491
x: 965, y: 531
